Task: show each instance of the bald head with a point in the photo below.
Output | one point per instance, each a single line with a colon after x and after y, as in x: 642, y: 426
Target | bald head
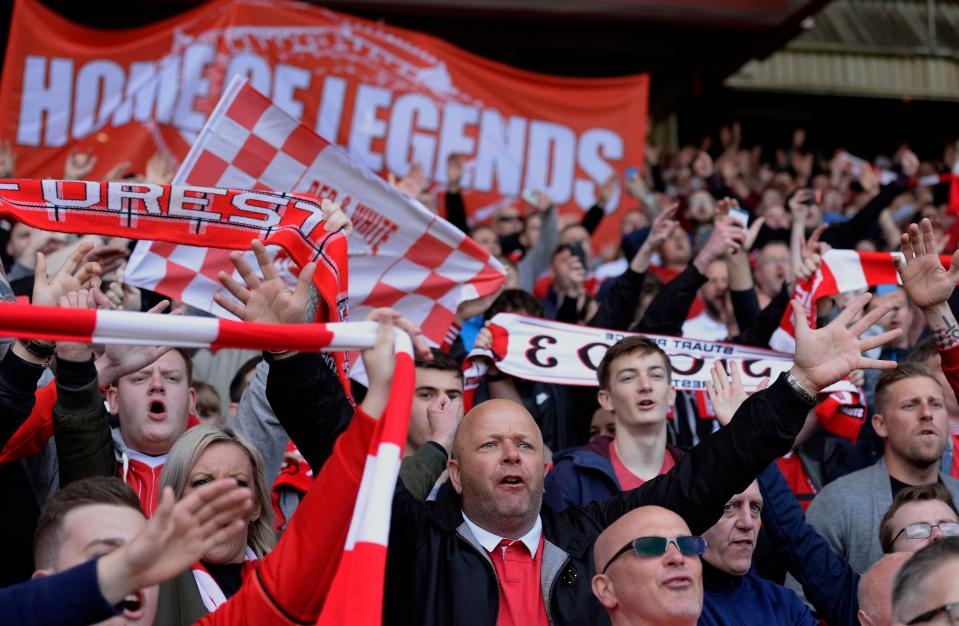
x: 490, y: 413
x: 664, y: 589
x: 875, y: 590
x: 498, y: 467
x: 642, y: 522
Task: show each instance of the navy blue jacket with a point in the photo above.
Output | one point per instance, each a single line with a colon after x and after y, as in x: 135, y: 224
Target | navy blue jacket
x: 69, y: 598
x: 828, y: 581
x: 749, y: 600
x: 583, y: 475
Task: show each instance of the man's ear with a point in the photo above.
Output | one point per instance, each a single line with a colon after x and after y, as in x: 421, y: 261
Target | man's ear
x: 604, y: 400
x: 879, y: 425
x: 604, y: 592
x: 192, y: 396
x: 864, y: 618
x: 453, y: 467
x: 110, y: 395
x: 672, y: 394
x: 40, y: 573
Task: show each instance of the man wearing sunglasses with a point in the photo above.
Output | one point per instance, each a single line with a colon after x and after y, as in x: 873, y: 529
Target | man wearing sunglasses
x: 648, y: 569
x: 488, y: 552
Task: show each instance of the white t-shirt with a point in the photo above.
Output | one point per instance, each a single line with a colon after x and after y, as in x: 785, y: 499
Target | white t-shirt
x: 704, y: 327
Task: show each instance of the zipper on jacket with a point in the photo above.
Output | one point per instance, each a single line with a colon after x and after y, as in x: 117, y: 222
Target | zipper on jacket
x: 548, y: 600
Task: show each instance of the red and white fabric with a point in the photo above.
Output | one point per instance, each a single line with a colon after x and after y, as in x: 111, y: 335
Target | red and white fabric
x: 356, y: 595
x: 402, y: 255
x: 210, y: 591
x: 841, y: 271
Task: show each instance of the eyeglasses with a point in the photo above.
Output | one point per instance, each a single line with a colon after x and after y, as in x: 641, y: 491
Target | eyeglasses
x: 508, y: 218
x: 922, y: 530
x: 657, y: 546
x: 951, y: 611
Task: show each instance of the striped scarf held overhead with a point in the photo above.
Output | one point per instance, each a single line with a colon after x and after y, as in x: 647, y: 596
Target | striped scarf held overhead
x: 356, y: 594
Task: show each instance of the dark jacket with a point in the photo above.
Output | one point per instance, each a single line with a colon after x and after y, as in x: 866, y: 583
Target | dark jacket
x: 438, y: 573
x: 583, y: 475
x: 828, y: 581
x: 70, y: 597
x: 749, y: 599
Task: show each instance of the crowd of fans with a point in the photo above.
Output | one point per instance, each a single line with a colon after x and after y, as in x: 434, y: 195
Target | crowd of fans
x: 156, y: 485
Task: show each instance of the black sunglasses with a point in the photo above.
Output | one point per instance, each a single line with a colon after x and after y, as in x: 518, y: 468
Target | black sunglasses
x: 657, y: 546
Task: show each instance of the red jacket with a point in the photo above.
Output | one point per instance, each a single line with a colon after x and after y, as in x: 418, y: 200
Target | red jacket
x: 307, y: 556
x: 950, y: 367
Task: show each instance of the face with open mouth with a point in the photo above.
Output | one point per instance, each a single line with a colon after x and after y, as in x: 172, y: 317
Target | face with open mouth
x: 731, y: 541
x: 153, y: 404
x: 96, y: 529
x: 639, y: 392
x: 664, y: 589
x: 499, y: 467
x: 911, y: 416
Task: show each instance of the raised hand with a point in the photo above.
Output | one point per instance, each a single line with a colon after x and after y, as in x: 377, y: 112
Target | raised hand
x: 109, y: 257
x: 335, y: 219
x: 73, y: 275
x: 607, y: 190
x: 726, y: 394
x: 266, y: 300
x: 119, y: 360
x: 727, y: 237
x: 926, y: 282
x: 380, y: 364
x: 8, y: 159
x: 827, y: 355
x: 80, y: 299
x: 79, y: 164
x: 454, y: 172
x: 421, y: 347
x: 661, y: 229
x: 412, y: 184
x: 160, y: 169
x: 177, y: 535
x: 444, y: 416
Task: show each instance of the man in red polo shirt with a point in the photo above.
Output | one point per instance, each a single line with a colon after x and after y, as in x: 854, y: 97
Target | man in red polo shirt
x: 635, y: 386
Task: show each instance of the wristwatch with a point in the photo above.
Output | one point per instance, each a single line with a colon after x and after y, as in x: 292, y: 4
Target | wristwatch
x: 798, y: 388
x: 39, y: 349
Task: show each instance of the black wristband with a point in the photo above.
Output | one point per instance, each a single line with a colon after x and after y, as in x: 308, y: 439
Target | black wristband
x: 38, y: 349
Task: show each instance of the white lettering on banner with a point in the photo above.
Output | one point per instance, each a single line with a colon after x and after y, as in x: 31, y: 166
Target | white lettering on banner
x: 193, y: 85
x: 401, y: 136
x: 124, y: 197
x: 179, y: 202
x: 558, y: 353
x: 53, y: 197
x: 99, y: 92
x: 268, y: 211
x: 331, y: 108
x: 368, y: 126
x: 62, y: 103
x: 45, y: 96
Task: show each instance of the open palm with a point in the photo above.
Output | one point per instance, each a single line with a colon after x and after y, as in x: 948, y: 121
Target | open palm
x: 827, y: 355
x: 926, y: 282
x: 266, y: 300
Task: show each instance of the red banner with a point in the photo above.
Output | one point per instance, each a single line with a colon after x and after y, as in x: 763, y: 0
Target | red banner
x: 389, y: 96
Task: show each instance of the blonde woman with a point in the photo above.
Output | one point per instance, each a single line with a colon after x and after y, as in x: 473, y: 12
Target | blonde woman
x: 202, y: 455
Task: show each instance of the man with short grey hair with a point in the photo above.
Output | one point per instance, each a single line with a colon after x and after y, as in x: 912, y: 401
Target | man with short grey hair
x: 926, y: 589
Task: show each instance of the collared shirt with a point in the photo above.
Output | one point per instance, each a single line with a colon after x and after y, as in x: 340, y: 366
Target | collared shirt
x: 518, y: 564
x: 489, y: 541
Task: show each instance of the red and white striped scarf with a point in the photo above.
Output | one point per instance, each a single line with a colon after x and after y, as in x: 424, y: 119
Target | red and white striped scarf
x: 841, y: 271
x: 356, y: 595
x: 210, y: 591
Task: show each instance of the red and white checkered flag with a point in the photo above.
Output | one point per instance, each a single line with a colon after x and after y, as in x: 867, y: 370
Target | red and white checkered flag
x: 401, y: 255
